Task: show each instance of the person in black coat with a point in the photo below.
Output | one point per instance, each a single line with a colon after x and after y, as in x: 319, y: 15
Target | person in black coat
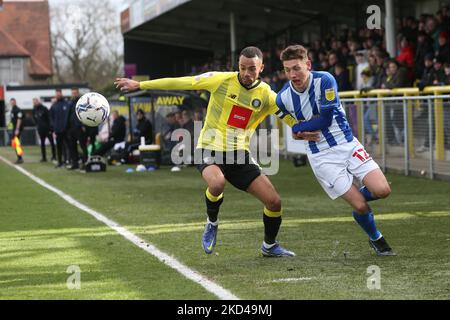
x: 143, y: 129
x: 342, y: 77
x: 76, y: 132
x: 17, y: 120
x: 427, y: 72
x: 59, y: 115
x: 41, y: 117
x: 118, y: 132
x: 443, y: 53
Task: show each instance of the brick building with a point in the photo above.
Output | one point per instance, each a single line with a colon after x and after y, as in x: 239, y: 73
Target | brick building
x: 25, y: 46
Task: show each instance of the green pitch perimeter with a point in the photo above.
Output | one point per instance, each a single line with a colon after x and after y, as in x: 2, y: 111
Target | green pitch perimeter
x: 41, y: 235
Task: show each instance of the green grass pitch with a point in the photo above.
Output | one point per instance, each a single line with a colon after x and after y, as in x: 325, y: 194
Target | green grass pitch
x: 41, y: 235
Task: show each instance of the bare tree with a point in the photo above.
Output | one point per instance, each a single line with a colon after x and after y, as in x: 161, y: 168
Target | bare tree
x: 87, y: 43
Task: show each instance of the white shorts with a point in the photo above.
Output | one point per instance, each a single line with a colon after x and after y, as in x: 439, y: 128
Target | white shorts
x: 336, y: 167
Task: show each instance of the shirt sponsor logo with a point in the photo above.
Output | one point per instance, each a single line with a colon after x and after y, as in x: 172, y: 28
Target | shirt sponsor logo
x: 239, y: 117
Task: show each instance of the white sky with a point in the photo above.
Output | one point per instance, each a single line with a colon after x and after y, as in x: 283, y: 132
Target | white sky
x: 119, y: 4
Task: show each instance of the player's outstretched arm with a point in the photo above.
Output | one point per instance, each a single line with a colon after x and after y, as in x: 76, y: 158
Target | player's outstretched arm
x: 207, y: 81
x: 126, y: 85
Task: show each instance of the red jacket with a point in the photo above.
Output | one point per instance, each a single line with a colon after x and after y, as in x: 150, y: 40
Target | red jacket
x: 406, y: 56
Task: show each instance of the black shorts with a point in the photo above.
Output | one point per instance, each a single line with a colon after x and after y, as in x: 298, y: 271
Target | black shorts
x: 238, y: 167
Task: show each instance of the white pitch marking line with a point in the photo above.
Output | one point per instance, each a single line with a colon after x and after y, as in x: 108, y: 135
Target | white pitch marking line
x: 170, y: 261
x: 292, y: 279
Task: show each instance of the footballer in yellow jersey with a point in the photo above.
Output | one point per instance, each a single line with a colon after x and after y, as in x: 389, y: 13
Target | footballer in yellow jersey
x: 234, y: 110
x: 239, y: 102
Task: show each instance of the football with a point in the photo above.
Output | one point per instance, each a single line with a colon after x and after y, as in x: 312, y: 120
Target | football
x: 92, y: 109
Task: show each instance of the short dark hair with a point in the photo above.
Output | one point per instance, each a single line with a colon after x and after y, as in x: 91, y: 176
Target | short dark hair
x: 141, y: 112
x: 58, y: 90
x: 251, y: 52
x: 393, y: 61
x: 295, y: 51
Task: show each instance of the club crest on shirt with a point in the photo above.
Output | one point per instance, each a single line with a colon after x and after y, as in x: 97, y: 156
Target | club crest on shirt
x: 330, y: 95
x: 256, y: 103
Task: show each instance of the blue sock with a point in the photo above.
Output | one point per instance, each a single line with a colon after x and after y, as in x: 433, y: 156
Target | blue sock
x: 367, y: 222
x: 367, y: 194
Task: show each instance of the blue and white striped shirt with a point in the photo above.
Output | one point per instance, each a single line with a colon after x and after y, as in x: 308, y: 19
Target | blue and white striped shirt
x: 320, y: 95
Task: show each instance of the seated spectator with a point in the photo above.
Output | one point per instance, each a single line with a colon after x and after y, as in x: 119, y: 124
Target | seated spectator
x: 117, y: 135
x: 443, y: 51
x: 332, y: 60
x: 315, y: 64
x: 367, y: 80
x: 424, y: 49
x: 380, y: 71
x: 433, y: 31
x: 397, y: 76
x: 438, y: 75
x: 361, y: 64
x: 406, y: 56
x: 447, y: 73
x: 342, y: 77
x: 166, y: 133
x: 143, y: 128
x: 428, y: 73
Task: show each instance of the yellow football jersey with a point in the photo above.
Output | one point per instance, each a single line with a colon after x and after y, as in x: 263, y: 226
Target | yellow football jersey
x: 234, y: 111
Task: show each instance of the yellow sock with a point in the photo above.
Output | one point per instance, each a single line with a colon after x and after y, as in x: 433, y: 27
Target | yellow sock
x: 272, y: 214
x: 211, y: 197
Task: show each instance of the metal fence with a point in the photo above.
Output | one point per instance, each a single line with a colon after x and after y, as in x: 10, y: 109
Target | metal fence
x: 404, y: 134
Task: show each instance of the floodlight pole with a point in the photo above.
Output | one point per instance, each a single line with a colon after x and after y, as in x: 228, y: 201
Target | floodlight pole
x: 390, y: 28
x: 233, y: 40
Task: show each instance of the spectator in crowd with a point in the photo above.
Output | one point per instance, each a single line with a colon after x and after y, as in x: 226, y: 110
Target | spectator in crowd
x: 397, y: 77
x: 380, y: 71
x: 143, y: 129
x: 427, y: 73
x: 447, y: 73
x: 166, y: 134
x: 76, y: 133
x: 438, y: 72
x: 409, y: 29
x: 117, y: 135
x: 433, y: 31
x: 342, y: 77
x: 315, y: 64
x: 332, y: 60
x: 443, y: 52
x: 187, y: 123
x: 367, y: 81
x: 178, y: 118
x: 59, y: 115
x: 41, y: 117
x: 406, y: 56
x: 424, y: 49
x: 361, y: 64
